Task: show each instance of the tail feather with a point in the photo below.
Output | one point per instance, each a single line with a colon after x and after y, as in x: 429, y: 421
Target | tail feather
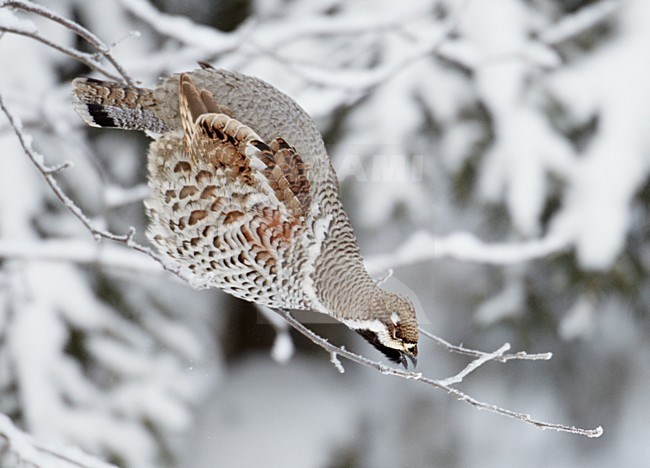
x: 108, y: 104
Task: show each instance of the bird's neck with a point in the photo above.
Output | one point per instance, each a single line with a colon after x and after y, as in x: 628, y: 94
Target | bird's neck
x: 343, y: 285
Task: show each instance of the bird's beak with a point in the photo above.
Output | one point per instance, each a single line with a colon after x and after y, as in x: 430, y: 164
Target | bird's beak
x: 413, y: 359
x: 404, y: 362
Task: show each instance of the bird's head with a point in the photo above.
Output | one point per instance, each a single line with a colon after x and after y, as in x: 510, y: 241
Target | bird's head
x: 391, y: 327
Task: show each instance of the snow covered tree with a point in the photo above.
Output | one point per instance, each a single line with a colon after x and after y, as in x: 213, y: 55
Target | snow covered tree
x: 495, y: 154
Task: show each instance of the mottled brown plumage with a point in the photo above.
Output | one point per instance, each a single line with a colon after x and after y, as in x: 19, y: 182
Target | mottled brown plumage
x: 244, y: 196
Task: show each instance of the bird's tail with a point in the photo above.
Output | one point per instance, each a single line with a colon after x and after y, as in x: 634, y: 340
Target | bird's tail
x: 109, y: 104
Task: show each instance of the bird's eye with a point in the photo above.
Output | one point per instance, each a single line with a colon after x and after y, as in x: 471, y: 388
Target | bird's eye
x: 396, y: 333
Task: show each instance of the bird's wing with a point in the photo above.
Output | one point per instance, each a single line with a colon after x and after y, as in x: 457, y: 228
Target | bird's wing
x: 226, y: 204
x: 275, y: 170
x: 265, y: 109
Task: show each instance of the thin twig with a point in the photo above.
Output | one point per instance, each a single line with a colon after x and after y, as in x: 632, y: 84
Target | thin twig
x: 385, y: 276
x: 47, y: 172
x: 83, y: 57
x: 334, y: 359
x: 522, y: 355
x: 475, y: 364
x: 340, y: 351
x: 92, y: 39
x: 334, y: 351
x: 55, y: 170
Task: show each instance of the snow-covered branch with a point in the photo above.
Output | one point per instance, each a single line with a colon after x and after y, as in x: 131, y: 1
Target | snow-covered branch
x: 109, y: 256
x: 466, y: 247
x: 580, y: 21
x: 362, y: 81
x: 208, y: 40
x: 18, y: 449
x: 531, y: 121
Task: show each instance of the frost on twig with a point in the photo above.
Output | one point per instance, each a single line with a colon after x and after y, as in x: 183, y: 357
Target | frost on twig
x: 475, y: 364
x: 522, y: 355
x: 48, y: 174
x: 31, y: 7
x: 444, y: 385
x: 334, y: 359
x: 385, y: 276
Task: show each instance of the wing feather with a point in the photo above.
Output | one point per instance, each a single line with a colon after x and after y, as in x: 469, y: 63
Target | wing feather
x: 227, y: 204
x: 215, y: 137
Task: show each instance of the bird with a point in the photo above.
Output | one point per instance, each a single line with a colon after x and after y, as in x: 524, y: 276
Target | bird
x: 243, y: 195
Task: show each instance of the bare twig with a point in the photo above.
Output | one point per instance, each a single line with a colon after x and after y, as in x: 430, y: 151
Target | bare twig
x: 475, y: 364
x: 83, y: 57
x: 522, y: 355
x: 47, y: 173
x: 92, y: 39
x: 439, y: 384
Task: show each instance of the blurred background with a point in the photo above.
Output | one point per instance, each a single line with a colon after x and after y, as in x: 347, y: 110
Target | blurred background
x: 494, y: 154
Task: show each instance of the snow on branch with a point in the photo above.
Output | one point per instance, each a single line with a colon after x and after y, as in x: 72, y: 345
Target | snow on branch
x: 580, y: 21
x: 48, y: 174
x: 182, y: 29
x: 423, y: 246
x: 118, y: 257
x: 420, y: 246
x: 366, y: 79
x: 19, y: 449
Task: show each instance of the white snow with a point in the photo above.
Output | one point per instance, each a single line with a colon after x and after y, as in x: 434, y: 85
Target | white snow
x: 9, y: 20
x: 283, y: 348
x: 578, y: 321
x: 101, y: 349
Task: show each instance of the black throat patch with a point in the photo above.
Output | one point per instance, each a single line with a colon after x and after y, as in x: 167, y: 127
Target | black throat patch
x: 391, y: 353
